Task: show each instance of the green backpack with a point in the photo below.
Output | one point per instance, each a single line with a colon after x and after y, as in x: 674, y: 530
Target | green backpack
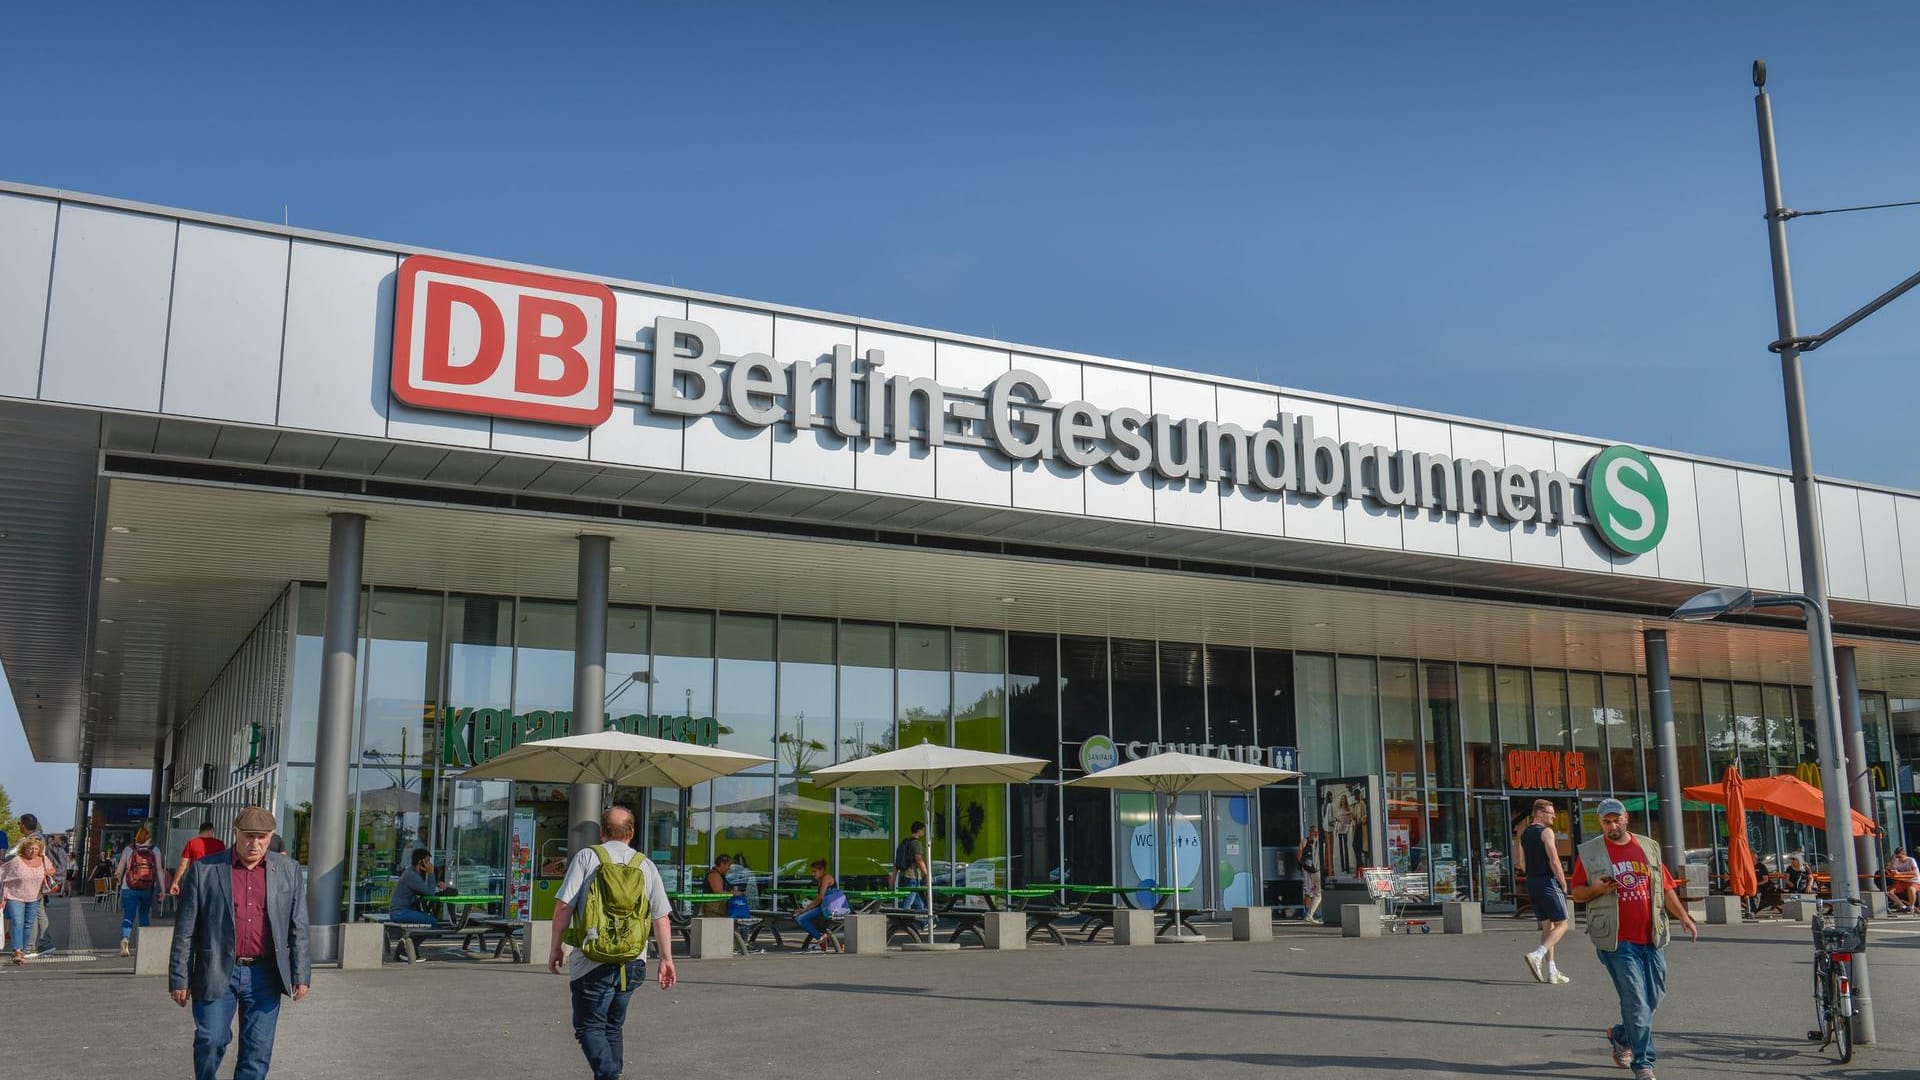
x: 613, y: 921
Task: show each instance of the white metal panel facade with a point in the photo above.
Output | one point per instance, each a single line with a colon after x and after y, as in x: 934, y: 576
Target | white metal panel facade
x: 152, y: 311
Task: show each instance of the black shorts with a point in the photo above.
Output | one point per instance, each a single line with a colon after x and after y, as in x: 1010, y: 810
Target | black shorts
x: 1549, y: 903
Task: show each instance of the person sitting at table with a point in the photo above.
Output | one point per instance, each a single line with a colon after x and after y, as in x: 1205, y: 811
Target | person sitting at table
x: 717, y: 885
x: 828, y: 902
x: 419, y: 880
x: 1903, y: 882
x: 1799, y: 880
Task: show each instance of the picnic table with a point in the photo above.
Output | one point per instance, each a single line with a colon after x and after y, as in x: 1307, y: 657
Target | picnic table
x: 1017, y: 898
x: 682, y: 921
x: 1100, y: 916
x: 466, y: 923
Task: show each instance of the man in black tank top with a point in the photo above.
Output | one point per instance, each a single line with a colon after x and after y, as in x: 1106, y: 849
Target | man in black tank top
x: 1546, y: 889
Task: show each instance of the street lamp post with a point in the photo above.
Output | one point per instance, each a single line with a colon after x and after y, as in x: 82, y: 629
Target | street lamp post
x: 1836, y: 745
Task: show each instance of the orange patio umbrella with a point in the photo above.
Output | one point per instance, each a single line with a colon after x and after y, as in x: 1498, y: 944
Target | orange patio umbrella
x: 1740, y: 877
x: 1784, y: 796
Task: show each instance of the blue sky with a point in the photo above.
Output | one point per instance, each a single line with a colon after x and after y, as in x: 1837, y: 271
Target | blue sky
x: 1548, y: 218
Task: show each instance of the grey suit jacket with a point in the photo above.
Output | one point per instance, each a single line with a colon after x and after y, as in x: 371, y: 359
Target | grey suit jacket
x: 202, y: 957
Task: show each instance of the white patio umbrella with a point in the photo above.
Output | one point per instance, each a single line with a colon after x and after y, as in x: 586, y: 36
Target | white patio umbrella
x: 1172, y: 774
x: 615, y: 757
x: 927, y: 767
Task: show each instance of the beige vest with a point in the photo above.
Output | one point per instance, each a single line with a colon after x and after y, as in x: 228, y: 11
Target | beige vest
x: 1603, y: 911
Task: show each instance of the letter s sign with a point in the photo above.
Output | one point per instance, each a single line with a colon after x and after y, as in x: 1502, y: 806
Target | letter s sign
x: 480, y: 339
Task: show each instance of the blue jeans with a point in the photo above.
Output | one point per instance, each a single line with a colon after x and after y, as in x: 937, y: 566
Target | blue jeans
x: 21, y: 916
x: 600, y: 1016
x: 254, y: 991
x: 916, y: 900
x: 412, y: 918
x: 1640, y: 978
x: 135, y: 904
x: 813, y: 921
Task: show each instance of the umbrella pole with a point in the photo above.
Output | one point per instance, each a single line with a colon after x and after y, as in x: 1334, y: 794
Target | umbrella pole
x: 926, y: 804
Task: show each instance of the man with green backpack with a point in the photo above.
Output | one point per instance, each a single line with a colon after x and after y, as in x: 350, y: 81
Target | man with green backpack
x: 611, y: 901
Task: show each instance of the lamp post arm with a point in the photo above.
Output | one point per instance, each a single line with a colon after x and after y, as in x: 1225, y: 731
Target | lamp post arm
x: 1808, y: 344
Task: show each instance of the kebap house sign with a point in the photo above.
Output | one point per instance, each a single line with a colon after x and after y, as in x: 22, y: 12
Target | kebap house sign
x: 478, y: 339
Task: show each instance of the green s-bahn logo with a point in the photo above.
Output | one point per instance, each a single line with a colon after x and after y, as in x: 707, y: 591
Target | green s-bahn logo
x: 1627, y: 500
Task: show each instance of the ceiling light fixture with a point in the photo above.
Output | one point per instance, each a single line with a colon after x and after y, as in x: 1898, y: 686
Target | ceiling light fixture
x: 122, y: 529
x: 617, y: 569
x: 1006, y: 600
x: 111, y: 580
x: 106, y: 622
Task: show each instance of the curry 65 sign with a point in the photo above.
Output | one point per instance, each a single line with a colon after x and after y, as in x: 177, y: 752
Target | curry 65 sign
x: 480, y: 339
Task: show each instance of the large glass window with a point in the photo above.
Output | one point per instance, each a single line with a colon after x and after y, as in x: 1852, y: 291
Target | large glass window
x: 1550, y: 710
x: 682, y: 702
x: 1273, y: 698
x: 1229, y: 696
x: 1083, y: 697
x: 979, y: 723
x: 1782, y: 733
x: 1318, y: 716
x: 629, y: 668
x: 806, y: 741
x: 1183, y: 705
x: 1622, y: 733
x: 1440, y: 725
x: 1749, y: 730
x: 1033, y: 698
x: 1480, y: 721
x: 926, y: 698
x: 745, y: 807
x: 1587, y: 722
x: 1513, y: 697
x: 1136, y: 694
x: 1689, y: 738
x: 1359, y: 716
x: 1722, y: 736
x: 1400, y: 723
x: 867, y: 815
x: 399, y: 741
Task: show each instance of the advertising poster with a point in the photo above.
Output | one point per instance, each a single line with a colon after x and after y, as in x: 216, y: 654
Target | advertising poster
x: 520, y: 865
x: 1350, y: 827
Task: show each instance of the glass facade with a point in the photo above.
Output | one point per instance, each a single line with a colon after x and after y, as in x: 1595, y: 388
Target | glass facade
x: 448, y: 680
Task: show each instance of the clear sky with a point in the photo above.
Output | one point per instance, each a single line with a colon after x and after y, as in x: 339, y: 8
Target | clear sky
x: 1541, y: 215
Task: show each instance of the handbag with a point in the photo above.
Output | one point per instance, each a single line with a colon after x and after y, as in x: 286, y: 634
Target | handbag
x: 738, y: 908
x: 836, y: 903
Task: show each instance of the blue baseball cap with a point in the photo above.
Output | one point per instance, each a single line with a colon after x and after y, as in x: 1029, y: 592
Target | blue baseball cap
x: 1612, y: 806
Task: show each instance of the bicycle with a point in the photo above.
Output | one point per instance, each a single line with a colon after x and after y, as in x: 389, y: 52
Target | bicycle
x: 1837, y: 935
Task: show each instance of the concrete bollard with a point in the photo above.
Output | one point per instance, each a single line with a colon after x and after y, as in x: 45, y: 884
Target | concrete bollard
x: 363, y: 946
x: 1359, y: 920
x: 1724, y: 910
x: 1252, y: 924
x: 1795, y: 910
x: 539, y: 942
x: 1005, y: 929
x: 151, y: 946
x: 710, y: 937
x: 1132, y: 927
x: 1460, y: 917
x: 864, y: 933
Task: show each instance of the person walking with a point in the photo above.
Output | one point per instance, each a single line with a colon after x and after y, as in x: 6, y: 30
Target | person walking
x: 1546, y: 890
x: 138, y: 873
x: 598, y: 878
x: 1631, y: 903
x: 198, y: 848
x: 40, y: 940
x: 1310, y: 875
x: 23, y: 885
x: 910, y: 870
x: 239, y: 946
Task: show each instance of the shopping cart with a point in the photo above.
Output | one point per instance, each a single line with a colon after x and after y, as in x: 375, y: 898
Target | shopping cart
x: 1394, y: 893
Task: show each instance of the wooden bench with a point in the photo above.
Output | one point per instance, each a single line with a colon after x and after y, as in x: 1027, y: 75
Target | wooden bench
x: 510, y: 933
x: 773, y: 921
x: 908, y: 921
x: 404, y: 939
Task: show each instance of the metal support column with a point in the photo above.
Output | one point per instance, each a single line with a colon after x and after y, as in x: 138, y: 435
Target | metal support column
x: 1813, y: 558
x: 333, y: 736
x: 1666, y: 754
x: 82, y: 800
x: 156, y: 791
x: 1866, y: 849
x: 589, y: 681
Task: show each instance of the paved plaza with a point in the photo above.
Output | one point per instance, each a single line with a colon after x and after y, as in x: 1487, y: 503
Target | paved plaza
x: 1392, y: 1007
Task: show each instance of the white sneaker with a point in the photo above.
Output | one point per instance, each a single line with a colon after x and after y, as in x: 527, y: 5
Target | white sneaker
x: 126, y: 948
x: 1537, y: 966
x: 1556, y: 978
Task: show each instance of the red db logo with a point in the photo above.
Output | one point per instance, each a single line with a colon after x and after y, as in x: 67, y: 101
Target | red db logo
x: 478, y: 339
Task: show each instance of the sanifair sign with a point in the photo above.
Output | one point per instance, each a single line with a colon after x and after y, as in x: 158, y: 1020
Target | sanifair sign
x: 508, y: 343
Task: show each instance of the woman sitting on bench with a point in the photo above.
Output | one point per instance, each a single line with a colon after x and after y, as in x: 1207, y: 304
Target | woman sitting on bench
x: 419, y: 880
x: 828, y: 903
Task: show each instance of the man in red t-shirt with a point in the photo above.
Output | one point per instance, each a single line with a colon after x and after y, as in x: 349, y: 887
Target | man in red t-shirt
x: 197, y: 848
x: 1628, y: 926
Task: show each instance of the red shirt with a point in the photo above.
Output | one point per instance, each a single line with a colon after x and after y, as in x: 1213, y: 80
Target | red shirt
x: 1633, y: 884
x: 250, y: 911
x: 202, y: 846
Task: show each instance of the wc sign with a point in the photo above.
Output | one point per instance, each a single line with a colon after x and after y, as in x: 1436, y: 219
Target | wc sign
x: 494, y: 342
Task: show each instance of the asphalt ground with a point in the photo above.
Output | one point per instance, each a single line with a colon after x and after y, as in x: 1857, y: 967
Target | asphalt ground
x: 1399, y: 1006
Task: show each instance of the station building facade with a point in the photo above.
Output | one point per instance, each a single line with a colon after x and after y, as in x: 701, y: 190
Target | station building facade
x: 818, y: 537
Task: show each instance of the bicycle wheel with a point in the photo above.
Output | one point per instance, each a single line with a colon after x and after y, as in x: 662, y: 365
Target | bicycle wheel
x: 1821, y: 1012
x: 1842, y: 1024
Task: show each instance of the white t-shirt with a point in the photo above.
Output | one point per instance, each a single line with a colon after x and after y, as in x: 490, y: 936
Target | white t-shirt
x: 580, y: 872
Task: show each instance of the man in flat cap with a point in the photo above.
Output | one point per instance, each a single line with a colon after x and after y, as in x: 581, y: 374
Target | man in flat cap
x: 239, y: 945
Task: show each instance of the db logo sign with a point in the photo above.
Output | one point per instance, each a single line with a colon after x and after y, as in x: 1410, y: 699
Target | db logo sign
x: 478, y: 339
